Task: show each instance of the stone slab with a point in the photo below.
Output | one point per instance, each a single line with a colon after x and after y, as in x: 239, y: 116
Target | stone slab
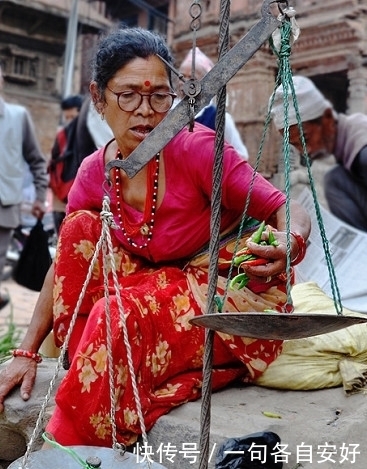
x: 306, y: 419
x: 307, y: 422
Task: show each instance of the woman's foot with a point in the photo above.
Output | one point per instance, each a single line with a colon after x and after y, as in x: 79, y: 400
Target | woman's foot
x: 4, y: 300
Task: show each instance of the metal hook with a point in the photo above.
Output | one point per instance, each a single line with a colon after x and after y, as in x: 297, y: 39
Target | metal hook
x: 191, y: 102
x: 282, y: 12
x: 191, y: 88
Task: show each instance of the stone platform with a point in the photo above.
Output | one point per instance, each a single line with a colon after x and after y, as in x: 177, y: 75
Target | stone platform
x: 321, y: 428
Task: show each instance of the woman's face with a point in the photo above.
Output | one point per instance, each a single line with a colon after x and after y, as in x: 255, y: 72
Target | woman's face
x: 131, y: 127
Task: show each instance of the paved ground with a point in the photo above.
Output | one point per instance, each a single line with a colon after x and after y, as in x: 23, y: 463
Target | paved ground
x: 21, y: 304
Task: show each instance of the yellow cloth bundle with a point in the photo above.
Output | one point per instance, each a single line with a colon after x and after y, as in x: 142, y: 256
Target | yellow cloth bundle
x: 328, y: 360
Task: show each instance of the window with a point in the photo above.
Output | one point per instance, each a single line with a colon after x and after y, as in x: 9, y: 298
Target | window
x: 19, y: 66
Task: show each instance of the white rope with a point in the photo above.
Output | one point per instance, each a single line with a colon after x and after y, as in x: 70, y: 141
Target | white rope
x: 39, y: 424
x: 108, y: 332
x: 106, y: 232
x: 105, y: 244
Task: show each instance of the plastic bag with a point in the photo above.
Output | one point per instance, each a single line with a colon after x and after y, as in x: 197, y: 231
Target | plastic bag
x: 255, y: 451
x: 34, y: 260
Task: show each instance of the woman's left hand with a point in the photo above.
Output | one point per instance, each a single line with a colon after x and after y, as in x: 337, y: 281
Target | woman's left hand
x: 276, y: 254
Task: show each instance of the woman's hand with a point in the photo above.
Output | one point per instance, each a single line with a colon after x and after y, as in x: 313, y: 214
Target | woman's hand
x: 20, y: 371
x: 300, y: 228
x: 275, y: 254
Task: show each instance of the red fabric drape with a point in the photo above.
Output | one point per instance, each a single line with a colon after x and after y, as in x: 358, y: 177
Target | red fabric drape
x: 166, y: 349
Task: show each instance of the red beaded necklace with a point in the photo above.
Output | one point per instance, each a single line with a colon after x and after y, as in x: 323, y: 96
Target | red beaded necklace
x: 145, y: 227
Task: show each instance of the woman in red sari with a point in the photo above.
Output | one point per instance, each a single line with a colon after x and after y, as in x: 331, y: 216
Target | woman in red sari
x: 162, y: 229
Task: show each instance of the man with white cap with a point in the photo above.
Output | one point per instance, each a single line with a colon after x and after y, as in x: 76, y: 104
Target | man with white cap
x: 327, y: 132
x: 207, y: 115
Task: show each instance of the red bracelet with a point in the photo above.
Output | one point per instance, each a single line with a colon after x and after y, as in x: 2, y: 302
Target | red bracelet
x: 27, y: 354
x: 301, y: 248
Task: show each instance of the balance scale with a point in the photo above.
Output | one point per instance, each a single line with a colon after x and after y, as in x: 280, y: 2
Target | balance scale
x: 262, y: 325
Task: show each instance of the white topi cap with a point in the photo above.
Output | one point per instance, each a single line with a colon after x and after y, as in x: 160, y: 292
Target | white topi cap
x: 201, y: 60
x: 310, y: 101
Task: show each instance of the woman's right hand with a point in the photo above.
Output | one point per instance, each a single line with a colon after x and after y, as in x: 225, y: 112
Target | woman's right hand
x: 20, y: 371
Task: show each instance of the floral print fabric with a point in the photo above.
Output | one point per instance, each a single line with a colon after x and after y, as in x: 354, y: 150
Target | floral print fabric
x: 166, y: 349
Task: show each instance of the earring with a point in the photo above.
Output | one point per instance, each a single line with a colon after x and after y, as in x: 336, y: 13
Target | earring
x: 102, y: 116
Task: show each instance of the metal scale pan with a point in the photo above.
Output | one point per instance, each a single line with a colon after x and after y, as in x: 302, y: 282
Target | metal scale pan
x: 275, y: 326
x: 109, y: 459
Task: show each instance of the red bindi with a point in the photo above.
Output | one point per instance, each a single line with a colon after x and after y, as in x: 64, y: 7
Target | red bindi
x: 147, y: 83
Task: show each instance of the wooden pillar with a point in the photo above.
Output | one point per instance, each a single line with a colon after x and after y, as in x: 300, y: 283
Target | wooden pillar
x: 248, y: 96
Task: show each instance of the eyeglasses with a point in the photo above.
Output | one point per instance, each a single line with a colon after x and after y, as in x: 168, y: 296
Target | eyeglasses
x: 130, y: 100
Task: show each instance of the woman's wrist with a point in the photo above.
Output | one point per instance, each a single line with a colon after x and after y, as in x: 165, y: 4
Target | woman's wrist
x: 301, y: 243
x: 27, y: 354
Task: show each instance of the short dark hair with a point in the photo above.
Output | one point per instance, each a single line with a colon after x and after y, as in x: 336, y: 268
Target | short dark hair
x: 123, y: 45
x: 72, y: 101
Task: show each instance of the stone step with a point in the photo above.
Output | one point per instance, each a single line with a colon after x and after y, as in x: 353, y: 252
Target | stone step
x: 309, y: 424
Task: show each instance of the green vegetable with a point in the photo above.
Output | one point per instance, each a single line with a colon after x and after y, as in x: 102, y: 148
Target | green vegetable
x: 239, y: 281
x: 245, y: 257
x: 256, y: 237
x: 272, y: 415
x: 272, y: 239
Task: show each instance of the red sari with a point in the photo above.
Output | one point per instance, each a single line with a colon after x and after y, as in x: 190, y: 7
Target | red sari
x: 167, y: 351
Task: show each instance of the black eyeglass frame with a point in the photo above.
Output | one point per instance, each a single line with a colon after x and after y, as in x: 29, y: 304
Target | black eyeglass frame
x: 149, y: 95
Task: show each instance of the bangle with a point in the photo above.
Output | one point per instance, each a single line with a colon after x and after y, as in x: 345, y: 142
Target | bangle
x: 301, y: 248
x: 27, y: 354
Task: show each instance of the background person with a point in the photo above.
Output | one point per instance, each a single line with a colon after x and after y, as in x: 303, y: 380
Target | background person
x: 206, y: 116
x: 162, y: 216
x: 82, y: 135
x: 70, y: 107
x: 328, y: 132
x: 18, y: 147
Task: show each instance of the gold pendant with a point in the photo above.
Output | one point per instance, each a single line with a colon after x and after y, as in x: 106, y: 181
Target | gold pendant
x: 144, y: 230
